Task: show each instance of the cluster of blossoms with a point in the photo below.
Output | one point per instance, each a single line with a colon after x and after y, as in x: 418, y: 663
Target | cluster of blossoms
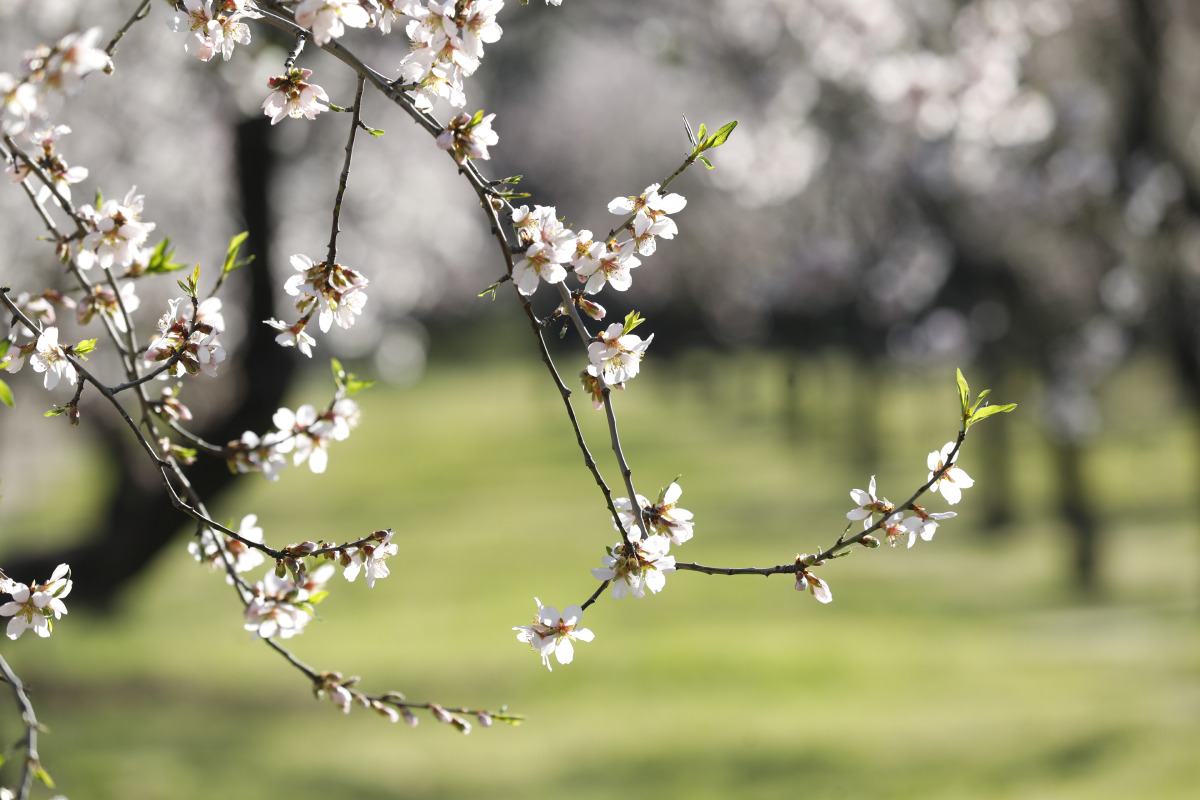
x: 336, y: 292
x: 303, y: 433
x: 47, y: 73
x: 61, y: 174
x: 650, y: 220
x: 117, y: 233
x: 554, y: 633
x: 282, y: 606
x: 192, y: 338
x: 549, y: 248
x: 213, y: 31
x: 33, y: 606
x: 616, y: 355
x: 894, y: 524
x: 447, y: 46
x: 648, y: 563
x: 468, y: 136
x: 45, y: 355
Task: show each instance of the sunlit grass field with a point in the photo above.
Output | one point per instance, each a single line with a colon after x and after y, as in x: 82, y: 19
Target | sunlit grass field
x: 962, y: 668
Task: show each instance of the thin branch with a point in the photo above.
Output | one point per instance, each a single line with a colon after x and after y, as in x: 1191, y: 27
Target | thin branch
x: 31, y: 763
x: 142, y: 12
x: 331, y: 258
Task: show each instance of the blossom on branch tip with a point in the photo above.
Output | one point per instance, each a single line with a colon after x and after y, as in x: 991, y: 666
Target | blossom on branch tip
x: 335, y: 291
x: 650, y: 210
x: 553, y: 633
x: 373, y: 558
x: 953, y: 480
x: 33, y: 606
x: 294, y: 97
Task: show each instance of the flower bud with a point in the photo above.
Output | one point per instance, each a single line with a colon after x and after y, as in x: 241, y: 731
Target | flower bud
x: 869, y: 541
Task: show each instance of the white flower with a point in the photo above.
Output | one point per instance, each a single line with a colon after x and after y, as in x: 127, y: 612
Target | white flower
x: 293, y: 335
x: 552, y: 632
x: 117, y: 233
x: 373, y: 557
x: 610, y: 265
x: 805, y: 579
x: 661, y: 518
x: 327, y: 19
x: 953, y: 480
x: 103, y: 300
x: 467, y: 138
x: 924, y: 524
x: 647, y: 568
x: 294, y: 97
x: 281, y: 607
x: 618, y: 355
x: 50, y: 358
x: 868, y: 504
x: 32, y: 606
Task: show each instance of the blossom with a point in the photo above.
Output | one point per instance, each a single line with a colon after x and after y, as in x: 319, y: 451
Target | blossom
x: 103, y: 300
x: 618, y: 355
x: 805, y: 579
x: 117, y: 233
x: 609, y: 265
x: 867, y: 504
x: 650, y: 210
x: 194, y: 343
x: 646, y: 568
x: 327, y: 19
x: 50, y: 357
x: 18, y: 103
x: 953, y: 480
x: 252, y: 454
x: 294, y: 97
x: 32, y: 606
x: 924, y: 523
x: 51, y: 164
x: 74, y: 57
x: 661, y: 518
x: 282, y: 607
x: 334, y: 290
x: 468, y: 137
x: 217, y: 550
x: 213, y: 33
x: 555, y: 633
x: 293, y: 335
x: 373, y: 558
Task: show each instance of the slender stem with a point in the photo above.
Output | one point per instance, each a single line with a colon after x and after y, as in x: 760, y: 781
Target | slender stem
x: 355, y: 121
x: 31, y: 763
x: 141, y: 13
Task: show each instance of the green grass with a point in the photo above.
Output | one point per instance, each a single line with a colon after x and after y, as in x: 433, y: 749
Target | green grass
x: 960, y: 668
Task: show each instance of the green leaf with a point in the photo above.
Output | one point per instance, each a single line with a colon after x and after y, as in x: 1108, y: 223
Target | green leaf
x: 84, y: 347
x: 6, y: 397
x: 354, y: 386
x: 704, y: 160
x: 490, y: 290
x: 40, y: 773
x: 4, y: 345
x: 687, y: 126
x: 318, y: 597
x: 55, y: 411
x: 339, y: 374
x: 988, y: 411
x: 964, y: 394
x: 376, y: 132
x: 632, y: 320
x: 231, y: 253
x: 702, y: 132
x: 160, y: 259
x: 720, y: 137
